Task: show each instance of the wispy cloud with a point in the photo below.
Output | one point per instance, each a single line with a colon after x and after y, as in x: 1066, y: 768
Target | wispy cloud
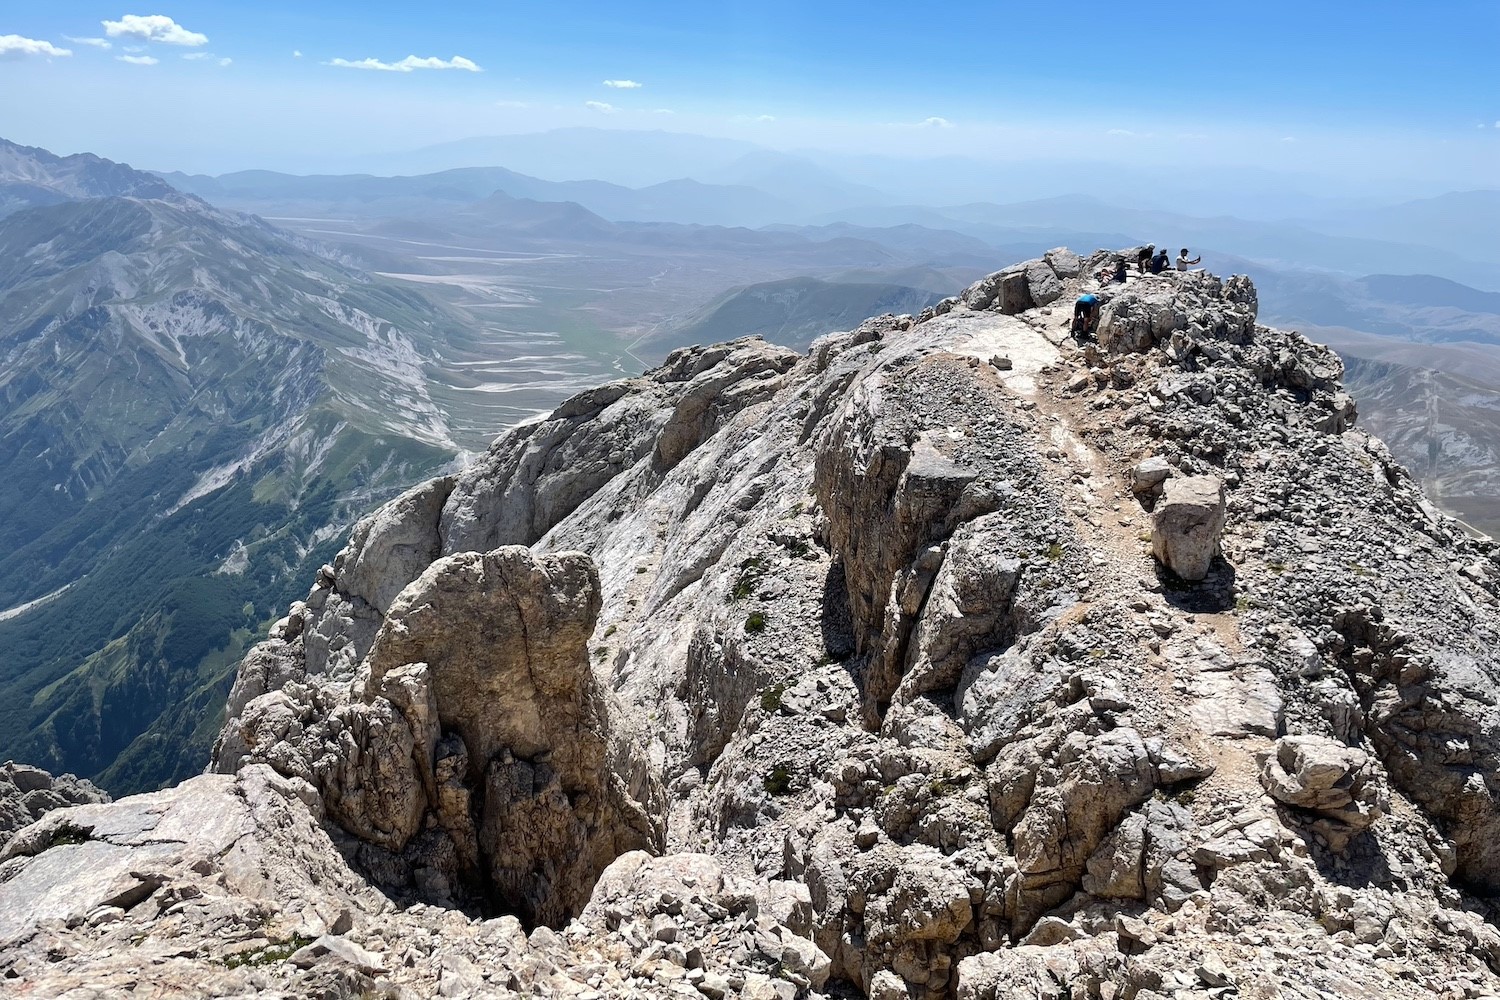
x: 623, y: 84
x: 153, y: 28
x: 511, y: 104
x: 663, y: 111
x: 139, y: 60
x: 935, y: 122
x: 1119, y: 131
x: 226, y: 61
x: 601, y: 107
x: 296, y: 53
x: 195, y: 55
x: 93, y: 43
x: 408, y: 64
x: 1289, y: 138
x: 754, y: 118
x: 18, y: 47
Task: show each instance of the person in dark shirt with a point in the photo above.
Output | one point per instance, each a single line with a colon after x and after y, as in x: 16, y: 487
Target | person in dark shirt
x: 1143, y: 257
x: 1160, y: 263
x: 1086, y: 313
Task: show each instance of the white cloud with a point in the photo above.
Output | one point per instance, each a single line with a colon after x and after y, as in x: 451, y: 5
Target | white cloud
x: 1288, y: 138
x: 226, y: 61
x: 296, y: 53
x: 17, y: 47
x: 139, y: 60
x: 754, y: 118
x: 1497, y: 124
x: 623, y: 84
x: 1119, y: 131
x: 409, y: 64
x: 511, y: 104
x: 153, y: 28
x: 663, y: 111
x: 195, y: 55
x: 93, y: 43
x: 935, y: 122
x: 601, y: 107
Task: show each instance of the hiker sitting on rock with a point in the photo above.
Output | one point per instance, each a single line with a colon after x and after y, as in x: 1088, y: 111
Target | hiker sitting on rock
x: 1160, y: 263
x: 1143, y: 257
x: 1086, y: 314
x: 1113, y: 274
x: 1182, y: 260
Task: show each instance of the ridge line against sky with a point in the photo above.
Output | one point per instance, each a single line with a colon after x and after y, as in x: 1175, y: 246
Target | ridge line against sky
x: 1379, y: 89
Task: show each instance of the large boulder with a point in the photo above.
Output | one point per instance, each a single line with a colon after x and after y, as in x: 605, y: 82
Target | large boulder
x: 1332, y: 784
x: 1187, y: 524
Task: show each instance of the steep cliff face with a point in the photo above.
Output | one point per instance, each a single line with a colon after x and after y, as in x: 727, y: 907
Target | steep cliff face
x: 956, y: 658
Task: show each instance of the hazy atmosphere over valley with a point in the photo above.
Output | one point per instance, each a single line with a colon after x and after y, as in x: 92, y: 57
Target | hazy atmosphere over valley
x: 730, y: 484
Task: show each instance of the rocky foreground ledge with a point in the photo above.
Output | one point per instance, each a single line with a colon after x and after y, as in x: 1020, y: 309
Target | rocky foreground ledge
x: 952, y: 659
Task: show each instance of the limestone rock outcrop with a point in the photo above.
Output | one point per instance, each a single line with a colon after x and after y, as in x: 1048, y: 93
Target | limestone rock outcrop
x: 1187, y: 523
x: 1335, y: 783
x: 854, y: 673
x: 28, y: 793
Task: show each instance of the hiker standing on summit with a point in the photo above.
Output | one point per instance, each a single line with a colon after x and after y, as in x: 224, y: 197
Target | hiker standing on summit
x: 1182, y: 260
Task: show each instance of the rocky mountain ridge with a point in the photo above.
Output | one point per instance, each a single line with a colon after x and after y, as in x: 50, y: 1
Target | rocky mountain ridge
x: 954, y: 658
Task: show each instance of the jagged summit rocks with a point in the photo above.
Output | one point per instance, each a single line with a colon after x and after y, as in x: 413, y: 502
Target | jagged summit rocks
x: 854, y: 672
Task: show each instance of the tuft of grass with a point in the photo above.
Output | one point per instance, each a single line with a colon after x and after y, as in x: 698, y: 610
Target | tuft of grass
x: 755, y: 622
x: 67, y: 834
x: 770, y: 698
x: 1054, y: 552
x: 751, y: 570
x: 779, y: 781
x: 610, y: 631
x: 270, y: 954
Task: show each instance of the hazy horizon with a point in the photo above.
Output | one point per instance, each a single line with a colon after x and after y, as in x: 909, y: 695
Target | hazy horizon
x: 1354, y: 105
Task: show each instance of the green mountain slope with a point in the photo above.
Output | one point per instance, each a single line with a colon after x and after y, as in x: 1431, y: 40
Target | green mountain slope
x: 793, y: 312
x: 193, y: 407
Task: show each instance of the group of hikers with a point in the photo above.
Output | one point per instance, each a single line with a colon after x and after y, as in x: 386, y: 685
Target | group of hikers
x: 1148, y: 260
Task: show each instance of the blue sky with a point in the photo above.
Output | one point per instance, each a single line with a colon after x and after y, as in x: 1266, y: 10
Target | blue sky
x: 1385, y: 88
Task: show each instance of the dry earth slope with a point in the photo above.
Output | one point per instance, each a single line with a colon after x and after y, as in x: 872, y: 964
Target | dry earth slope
x: 854, y: 673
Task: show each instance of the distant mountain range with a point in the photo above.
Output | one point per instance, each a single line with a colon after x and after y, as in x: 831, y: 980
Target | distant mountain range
x: 192, y: 407
x: 734, y: 186
x: 31, y: 177
x: 684, y: 201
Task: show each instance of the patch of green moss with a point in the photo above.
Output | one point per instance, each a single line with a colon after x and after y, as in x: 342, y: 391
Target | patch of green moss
x: 755, y: 622
x: 770, y: 698
x: 779, y: 781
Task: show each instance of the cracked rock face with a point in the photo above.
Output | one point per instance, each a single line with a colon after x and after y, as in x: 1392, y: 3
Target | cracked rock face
x: 854, y: 673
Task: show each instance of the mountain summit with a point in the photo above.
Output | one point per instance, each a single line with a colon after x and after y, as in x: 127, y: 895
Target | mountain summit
x: 952, y: 658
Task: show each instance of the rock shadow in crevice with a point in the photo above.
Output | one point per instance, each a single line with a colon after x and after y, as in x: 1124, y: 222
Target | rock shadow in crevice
x: 1214, y: 594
